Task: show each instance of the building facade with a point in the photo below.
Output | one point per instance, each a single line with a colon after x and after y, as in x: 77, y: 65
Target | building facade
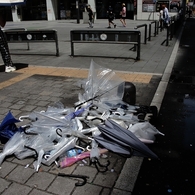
x: 68, y: 9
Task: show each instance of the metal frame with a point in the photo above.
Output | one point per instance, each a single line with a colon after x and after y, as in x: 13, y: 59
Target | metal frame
x: 32, y: 36
x: 113, y: 37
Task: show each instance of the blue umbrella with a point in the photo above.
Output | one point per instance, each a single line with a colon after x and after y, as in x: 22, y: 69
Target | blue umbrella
x: 12, y: 2
x: 8, y: 127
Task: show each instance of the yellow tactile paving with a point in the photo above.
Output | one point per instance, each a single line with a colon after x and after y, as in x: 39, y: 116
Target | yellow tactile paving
x: 71, y: 72
x: 13, y: 80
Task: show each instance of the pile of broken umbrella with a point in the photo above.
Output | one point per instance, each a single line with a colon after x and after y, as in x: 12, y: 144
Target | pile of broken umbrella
x: 99, y: 122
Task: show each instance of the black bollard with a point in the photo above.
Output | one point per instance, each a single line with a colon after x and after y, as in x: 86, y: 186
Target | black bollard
x: 129, y: 93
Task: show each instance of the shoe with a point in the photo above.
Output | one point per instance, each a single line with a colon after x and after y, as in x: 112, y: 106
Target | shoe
x: 109, y: 27
x: 10, y: 68
x: 115, y: 26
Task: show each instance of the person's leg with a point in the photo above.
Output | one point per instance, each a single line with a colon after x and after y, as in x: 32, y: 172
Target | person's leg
x: 121, y: 21
x: 124, y: 22
x: 109, y: 23
x: 113, y: 24
x: 90, y: 22
x: 4, y: 49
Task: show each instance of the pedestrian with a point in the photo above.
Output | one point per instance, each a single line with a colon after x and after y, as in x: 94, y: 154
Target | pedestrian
x: 111, y: 17
x: 91, y: 16
x: 4, y: 45
x: 161, y: 20
x: 190, y: 12
x: 165, y: 16
x: 123, y: 15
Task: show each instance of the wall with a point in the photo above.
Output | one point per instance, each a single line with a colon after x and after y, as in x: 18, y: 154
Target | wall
x: 15, y: 16
x: 92, y: 3
x: 51, y: 9
x: 148, y: 15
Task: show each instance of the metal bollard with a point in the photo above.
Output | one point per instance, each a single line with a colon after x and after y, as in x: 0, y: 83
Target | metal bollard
x: 129, y: 93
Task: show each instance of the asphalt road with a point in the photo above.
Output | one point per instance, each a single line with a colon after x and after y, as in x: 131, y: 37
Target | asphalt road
x: 174, y: 174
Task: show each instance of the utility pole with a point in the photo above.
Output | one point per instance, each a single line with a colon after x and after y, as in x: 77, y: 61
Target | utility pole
x: 184, y: 8
x: 78, y: 14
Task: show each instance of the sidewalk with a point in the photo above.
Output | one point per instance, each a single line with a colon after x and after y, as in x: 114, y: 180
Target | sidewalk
x: 49, y: 79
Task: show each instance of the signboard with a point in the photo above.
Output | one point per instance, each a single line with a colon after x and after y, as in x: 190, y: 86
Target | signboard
x: 148, y: 7
x: 106, y: 36
x: 49, y: 35
x: 159, y: 5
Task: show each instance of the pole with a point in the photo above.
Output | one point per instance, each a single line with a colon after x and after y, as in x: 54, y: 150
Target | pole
x: 78, y: 14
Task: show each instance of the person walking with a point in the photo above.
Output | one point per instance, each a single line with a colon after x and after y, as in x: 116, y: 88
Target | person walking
x: 123, y: 15
x: 165, y: 16
x: 111, y: 16
x: 4, y: 45
x: 161, y: 20
x: 91, y: 15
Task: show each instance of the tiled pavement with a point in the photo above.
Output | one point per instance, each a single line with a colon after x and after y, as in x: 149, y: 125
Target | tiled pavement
x: 35, y: 87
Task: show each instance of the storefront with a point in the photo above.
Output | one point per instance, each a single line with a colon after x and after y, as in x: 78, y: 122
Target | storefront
x: 102, y: 7
x: 34, y: 10
x: 67, y: 9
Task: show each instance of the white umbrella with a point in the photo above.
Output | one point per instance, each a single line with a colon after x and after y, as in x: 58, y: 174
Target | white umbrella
x: 11, y: 2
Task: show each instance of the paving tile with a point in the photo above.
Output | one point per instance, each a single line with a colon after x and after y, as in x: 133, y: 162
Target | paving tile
x: 4, y: 184
x: 62, y: 186
x: 106, y: 191
x: 20, y: 174
x: 41, y: 180
x: 16, y: 188
x: 6, y: 168
x: 87, y: 190
x: 106, y: 179
x: 39, y: 192
x: 87, y: 171
x: 120, y: 192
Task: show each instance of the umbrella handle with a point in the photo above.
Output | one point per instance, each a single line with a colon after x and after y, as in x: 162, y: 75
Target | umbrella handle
x: 23, y: 117
x: 83, y: 177
x: 36, y: 153
x: 95, y: 161
x: 28, y: 133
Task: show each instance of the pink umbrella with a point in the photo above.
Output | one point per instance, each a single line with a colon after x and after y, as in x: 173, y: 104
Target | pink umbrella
x: 68, y: 161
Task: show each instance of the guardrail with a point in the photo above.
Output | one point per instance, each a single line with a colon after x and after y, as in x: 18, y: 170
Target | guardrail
x: 106, y: 36
x: 145, y: 31
x: 150, y: 29
x: 171, y: 29
x: 23, y: 35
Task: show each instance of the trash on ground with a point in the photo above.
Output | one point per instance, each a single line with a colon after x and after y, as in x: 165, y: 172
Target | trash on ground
x: 100, y: 121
